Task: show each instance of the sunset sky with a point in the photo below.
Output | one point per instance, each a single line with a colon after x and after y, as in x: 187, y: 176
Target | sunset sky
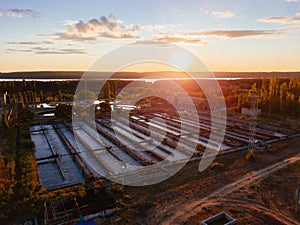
x: 228, y: 35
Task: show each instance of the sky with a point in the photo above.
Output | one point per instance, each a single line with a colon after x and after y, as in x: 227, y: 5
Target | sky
x: 227, y: 35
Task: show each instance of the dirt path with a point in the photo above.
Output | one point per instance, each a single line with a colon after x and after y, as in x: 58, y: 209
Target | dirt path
x: 189, y: 209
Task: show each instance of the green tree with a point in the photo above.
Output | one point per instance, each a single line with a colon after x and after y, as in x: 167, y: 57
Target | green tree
x: 283, y: 95
x: 5, y: 123
x: 60, y: 96
x: 41, y: 95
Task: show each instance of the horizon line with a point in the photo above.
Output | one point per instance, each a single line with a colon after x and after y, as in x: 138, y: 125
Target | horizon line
x: 170, y: 71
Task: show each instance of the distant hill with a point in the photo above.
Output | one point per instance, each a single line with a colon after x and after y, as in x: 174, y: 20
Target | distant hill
x: 166, y: 74
x: 42, y: 75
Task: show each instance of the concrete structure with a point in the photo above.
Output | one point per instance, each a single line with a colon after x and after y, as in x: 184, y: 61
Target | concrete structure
x: 56, y: 165
x: 97, y: 203
x: 221, y: 218
x: 71, y: 103
x: 156, y: 132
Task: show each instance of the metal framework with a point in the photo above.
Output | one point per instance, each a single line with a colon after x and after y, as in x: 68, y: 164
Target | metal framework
x: 254, y: 97
x: 63, y: 211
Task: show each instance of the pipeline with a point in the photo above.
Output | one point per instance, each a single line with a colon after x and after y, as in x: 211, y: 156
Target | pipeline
x: 247, y: 147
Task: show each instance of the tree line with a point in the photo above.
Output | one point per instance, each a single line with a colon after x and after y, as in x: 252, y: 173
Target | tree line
x: 277, y: 95
x: 19, y: 184
x: 49, y: 91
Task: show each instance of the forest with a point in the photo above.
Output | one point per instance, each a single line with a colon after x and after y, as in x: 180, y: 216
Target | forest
x: 278, y: 96
x: 19, y: 185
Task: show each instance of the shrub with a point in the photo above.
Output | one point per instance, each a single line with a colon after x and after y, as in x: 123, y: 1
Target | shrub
x: 217, y: 166
x: 26, y: 144
x: 250, y: 156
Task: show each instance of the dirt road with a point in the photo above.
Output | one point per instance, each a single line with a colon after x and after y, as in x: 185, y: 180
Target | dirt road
x: 180, y: 214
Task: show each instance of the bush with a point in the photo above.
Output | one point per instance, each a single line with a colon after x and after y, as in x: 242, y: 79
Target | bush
x: 27, y: 144
x: 63, y: 111
x: 217, y: 166
x: 250, y: 156
x: 24, y: 132
x: 243, y: 117
x: 117, y: 187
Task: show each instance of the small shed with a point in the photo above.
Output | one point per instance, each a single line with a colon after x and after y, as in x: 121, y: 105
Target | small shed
x: 219, y: 219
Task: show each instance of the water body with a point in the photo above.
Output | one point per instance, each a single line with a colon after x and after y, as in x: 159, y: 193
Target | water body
x: 130, y: 79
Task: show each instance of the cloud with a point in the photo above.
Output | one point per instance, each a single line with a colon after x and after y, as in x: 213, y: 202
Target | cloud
x: 30, y: 43
x: 18, y: 13
x: 292, y: 0
x: 13, y: 50
x: 61, y: 51
x: 239, y: 33
x: 44, y: 50
x: 193, y: 37
x: 70, y: 22
x: 282, y: 19
x: 196, y: 38
x: 91, y: 31
x: 225, y: 14
x: 106, y: 27
x: 150, y: 42
x: 66, y: 37
x: 180, y: 40
x: 152, y: 27
x: 171, y: 38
